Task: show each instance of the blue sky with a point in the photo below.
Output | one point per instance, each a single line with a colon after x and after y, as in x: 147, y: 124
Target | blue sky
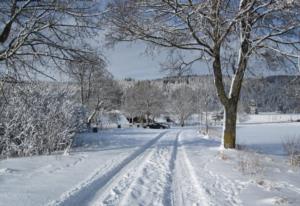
x: 130, y: 60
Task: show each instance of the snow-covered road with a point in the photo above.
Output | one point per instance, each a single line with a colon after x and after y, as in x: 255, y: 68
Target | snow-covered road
x: 148, y: 167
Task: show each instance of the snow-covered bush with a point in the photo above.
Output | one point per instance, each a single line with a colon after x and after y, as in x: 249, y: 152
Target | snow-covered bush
x: 39, y: 119
x: 291, y: 145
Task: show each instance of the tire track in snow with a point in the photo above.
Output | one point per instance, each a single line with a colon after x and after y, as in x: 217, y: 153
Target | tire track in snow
x: 187, y: 190
x: 171, y: 189
x: 152, y: 180
x: 113, y: 194
x: 85, y: 193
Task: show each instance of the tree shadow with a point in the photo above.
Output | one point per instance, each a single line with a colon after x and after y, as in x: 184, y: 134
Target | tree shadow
x: 267, y: 149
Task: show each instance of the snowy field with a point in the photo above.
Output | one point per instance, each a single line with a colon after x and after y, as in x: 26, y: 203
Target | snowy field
x: 269, y: 117
x: 267, y: 137
x: 158, y: 167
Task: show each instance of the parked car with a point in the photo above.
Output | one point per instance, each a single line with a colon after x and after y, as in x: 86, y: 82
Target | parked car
x: 156, y: 125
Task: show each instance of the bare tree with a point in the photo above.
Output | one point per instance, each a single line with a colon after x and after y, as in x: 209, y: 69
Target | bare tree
x: 144, y: 99
x: 176, y: 65
x: 208, y: 101
x: 86, y: 72
x: 106, y: 96
x: 227, y: 34
x: 183, y: 103
x: 98, y: 90
x: 37, y: 34
x: 129, y: 104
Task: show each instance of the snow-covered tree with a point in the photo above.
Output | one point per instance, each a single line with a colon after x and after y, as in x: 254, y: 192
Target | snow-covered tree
x: 227, y: 35
x: 144, y: 99
x: 37, y: 34
x: 98, y: 90
x: 130, y: 104
x: 106, y: 96
x: 183, y: 103
x: 86, y: 72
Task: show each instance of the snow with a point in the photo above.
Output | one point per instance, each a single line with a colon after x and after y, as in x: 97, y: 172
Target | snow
x: 267, y: 138
x: 218, y: 173
x: 112, y: 119
x: 41, y: 179
x: 268, y: 118
x: 139, y: 166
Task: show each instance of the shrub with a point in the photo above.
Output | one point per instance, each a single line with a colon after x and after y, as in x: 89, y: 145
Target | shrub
x: 249, y: 163
x: 39, y: 119
x: 291, y: 145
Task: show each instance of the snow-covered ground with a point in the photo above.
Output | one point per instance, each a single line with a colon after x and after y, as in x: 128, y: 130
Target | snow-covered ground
x: 268, y: 118
x: 157, y: 167
x: 267, y: 138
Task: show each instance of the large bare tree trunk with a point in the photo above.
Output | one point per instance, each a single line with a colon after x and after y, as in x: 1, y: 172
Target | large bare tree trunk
x: 231, y: 100
x: 229, y: 127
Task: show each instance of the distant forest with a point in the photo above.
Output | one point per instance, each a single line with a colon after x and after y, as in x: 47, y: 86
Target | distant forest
x: 268, y: 94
